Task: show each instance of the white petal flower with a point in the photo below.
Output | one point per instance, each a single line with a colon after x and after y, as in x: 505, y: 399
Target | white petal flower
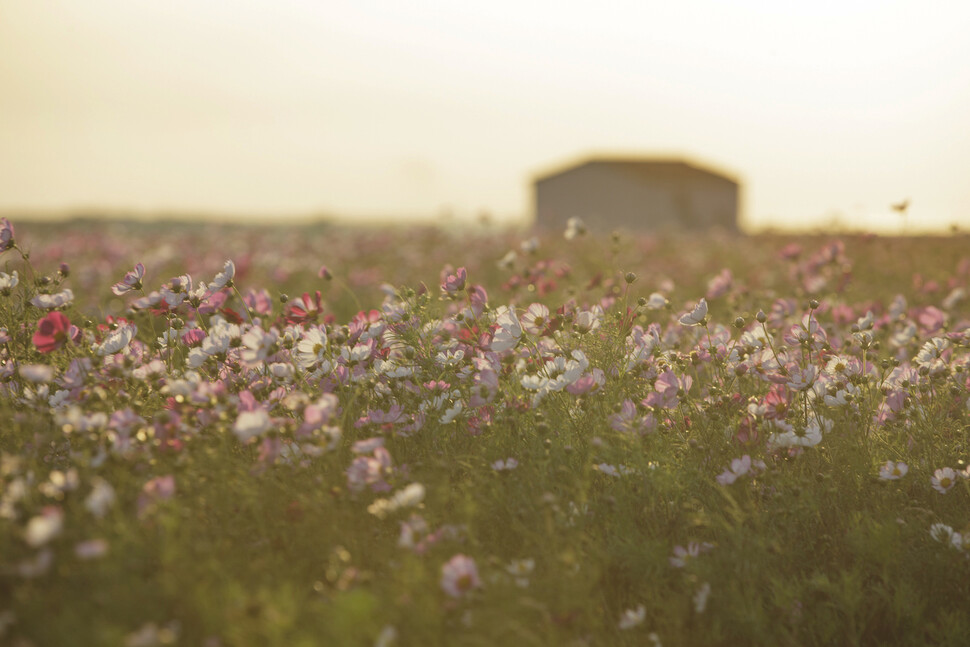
x: 696, y: 316
x: 118, y: 340
x: 633, y: 617
x: 251, y: 423
x: 42, y: 528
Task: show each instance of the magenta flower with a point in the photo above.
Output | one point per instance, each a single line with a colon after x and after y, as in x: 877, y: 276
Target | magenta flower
x: 6, y: 235
x: 455, y: 283
x: 306, y: 309
x: 53, y: 331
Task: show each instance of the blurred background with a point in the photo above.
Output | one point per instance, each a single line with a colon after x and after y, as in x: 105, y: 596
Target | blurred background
x: 827, y: 113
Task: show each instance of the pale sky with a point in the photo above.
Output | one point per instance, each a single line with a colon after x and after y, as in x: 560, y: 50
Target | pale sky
x: 413, y: 108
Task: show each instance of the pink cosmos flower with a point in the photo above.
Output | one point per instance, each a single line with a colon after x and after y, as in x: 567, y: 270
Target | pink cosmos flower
x: 809, y: 332
x: 459, y: 576
x: 259, y: 302
x: 132, y: 281
x: 588, y: 382
x: 627, y: 420
x: 53, y: 331
x: 305, y: 309
x: 799, y: 378
x: 6, y: 235
x: 158, y: 489
x: 370, y: 471
x: 720, y: 284
x: 667, y: 389
x: 455, y: 283
x: 91, y: 549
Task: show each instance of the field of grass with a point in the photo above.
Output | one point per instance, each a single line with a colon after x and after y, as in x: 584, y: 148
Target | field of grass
x: 243, y: 436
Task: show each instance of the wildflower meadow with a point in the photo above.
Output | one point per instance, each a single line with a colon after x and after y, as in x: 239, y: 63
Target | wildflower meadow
x: 224, y: 435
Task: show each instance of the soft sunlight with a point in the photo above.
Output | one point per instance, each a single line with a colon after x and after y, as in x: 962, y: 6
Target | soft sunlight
x: 390, y: 110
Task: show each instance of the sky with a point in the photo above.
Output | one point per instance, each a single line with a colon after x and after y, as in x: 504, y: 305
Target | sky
x: 827, y: 111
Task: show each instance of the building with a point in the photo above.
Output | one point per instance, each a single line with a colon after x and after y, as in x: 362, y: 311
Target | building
x: 637, y: 194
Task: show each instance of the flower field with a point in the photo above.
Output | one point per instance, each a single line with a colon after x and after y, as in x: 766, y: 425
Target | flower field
x: 216, y: 435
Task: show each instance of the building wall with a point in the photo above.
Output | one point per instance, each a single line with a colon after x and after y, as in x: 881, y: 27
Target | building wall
x: 714, y: 203
x: 604, y: 199
x: 608, y: 198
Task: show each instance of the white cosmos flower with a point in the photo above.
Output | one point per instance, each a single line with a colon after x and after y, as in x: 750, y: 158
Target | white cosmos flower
x: 588, y: 320
x: 51, y: 301
x: 251, y: 423
x: 739, y: 467
x: 224, y: 277
x: 281, y: 370
x: 196, y: 358
x: 943, y: 479
x: 892, y: 470
x: 44, y: 527
x: 535, y: 319
x: 696, y: 316
x: 633, y: 617
x: 8, y: 281
x: 449, y: 358
x: 175, y: 292
x: 508, y: 464
x: 941, y: 532
x: 257, y: 344
x: 37, y: 373
x: 409, y: 497
x: 216, y: 342
x: 312, y: 348
x: 508, y: 261
x: 574, y: 227
x: 101, y: 499
x: 956, y: 296
x: 451, y: 412
x: 930, y: 354
x: 700, y: 598
x: 656, y: 301
x: 520, y: 569
x: 509, y: 330
x: 118, y: 340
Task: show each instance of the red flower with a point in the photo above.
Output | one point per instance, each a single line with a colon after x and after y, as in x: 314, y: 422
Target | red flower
x: 306, y: 309
x: 52, y: 332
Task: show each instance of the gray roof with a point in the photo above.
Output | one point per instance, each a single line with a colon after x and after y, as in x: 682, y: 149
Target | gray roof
x: 646, y: 168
